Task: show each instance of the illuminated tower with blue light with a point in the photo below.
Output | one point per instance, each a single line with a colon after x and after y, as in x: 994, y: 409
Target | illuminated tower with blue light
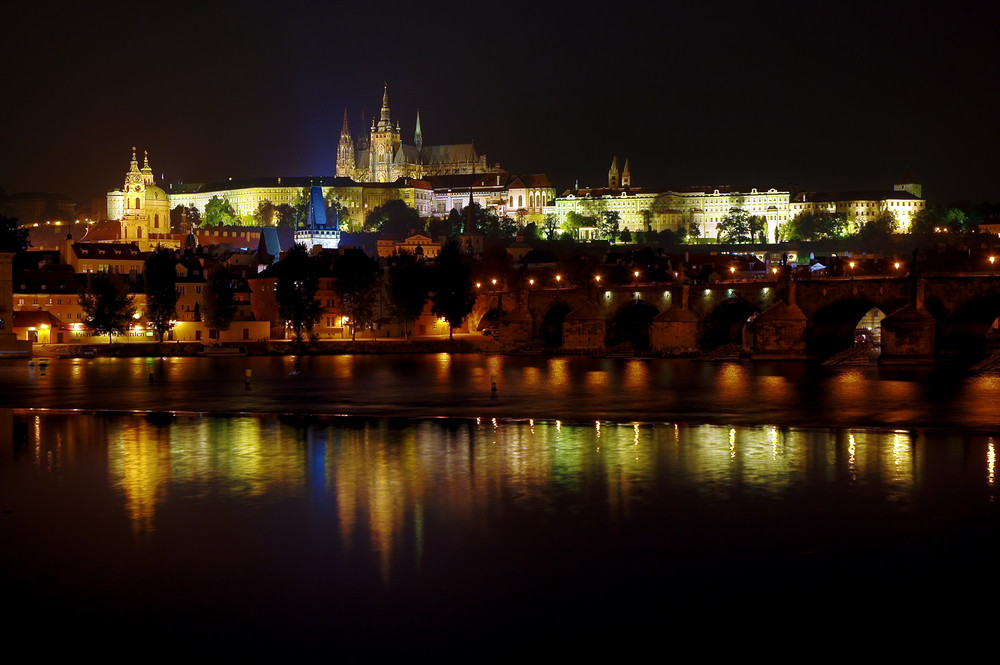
x: 318, y: 230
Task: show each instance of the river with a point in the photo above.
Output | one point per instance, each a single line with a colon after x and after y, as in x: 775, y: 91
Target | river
x: 393, y: 506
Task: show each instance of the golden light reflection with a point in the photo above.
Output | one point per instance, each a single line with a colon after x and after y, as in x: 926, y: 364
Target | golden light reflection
x: 991, y: 463
x: 385, y: 485
x: 852, y: 448
x: 636, y: 374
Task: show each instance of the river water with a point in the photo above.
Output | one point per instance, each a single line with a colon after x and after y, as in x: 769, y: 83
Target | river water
x: 384, y: 506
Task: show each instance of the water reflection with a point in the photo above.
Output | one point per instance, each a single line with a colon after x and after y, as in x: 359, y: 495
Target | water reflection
x: 383, y: 485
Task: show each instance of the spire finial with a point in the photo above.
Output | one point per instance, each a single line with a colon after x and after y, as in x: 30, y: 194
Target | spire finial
x: 344, y: 130
x: 385, y: 107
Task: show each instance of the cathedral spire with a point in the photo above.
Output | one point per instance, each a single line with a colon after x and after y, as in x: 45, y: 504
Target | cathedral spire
x: 385, y: 120
x: 613, y: 180
x: 344, y: 131
x: 418, y: 137
x: 626, y: 175
x: 134, y: 166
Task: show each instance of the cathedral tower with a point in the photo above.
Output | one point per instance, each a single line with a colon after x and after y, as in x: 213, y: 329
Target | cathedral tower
x: 385, y: 142
x: 345, y: 152
x: 626, y: 175
x: 613, y: 180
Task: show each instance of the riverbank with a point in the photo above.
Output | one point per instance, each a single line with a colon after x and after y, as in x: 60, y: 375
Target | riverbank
x: 460, y: 344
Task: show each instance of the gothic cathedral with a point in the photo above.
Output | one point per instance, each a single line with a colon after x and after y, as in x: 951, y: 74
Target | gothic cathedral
x: 383, y: 157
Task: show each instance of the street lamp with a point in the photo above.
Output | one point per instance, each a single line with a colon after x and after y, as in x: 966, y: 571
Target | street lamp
x: 636, y: 273
x: 598, y: 278
x: 558, y: 280
x: 851, y: 264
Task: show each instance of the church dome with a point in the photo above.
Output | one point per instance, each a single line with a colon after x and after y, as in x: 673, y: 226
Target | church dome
x: 154, y: 193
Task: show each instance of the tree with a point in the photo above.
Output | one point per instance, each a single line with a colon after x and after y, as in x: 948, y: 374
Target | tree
x: 107, y: 305
x: 880, y: 227
x: 266, y: 213
x: 160, y: 274
x: 295, y: 290
x: 816, y: 226
x: 337, y: 212
x: 610, y: 226
x: 218, y: 299
x: 758, y: 228
x: 285, y: 216
x: 452, y: 296
x: 735, y: 226
x: 393, y: 217
x: 356, y: 284
x: 300, y: 208
x: 13, y: 238
x: 219, y: 212
x: 626, y: 235
x: 409, y: 286
x: 550, y: 226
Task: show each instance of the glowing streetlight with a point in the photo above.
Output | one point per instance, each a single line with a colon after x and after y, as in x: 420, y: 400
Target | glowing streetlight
x: 478, y: 284
x: 636, y: 273
x: 558, y: 281
x: 494, y: 283
x: 531, y: 282
x: 598, y: 278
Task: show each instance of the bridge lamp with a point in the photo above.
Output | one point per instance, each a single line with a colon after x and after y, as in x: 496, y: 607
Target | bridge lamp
x: 992, y: 259
x: 558, y: 279
x: 478, y: 284
x: 531, y: 282
x: 494, y: 282
x: 636, y: 273
x: 774, y: 271
x: 598, y: 278
x: 897, y: 265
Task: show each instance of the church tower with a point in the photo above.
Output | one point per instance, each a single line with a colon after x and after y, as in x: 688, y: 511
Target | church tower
x: 135, y: 199
x: 613, y: 180
x: 626, y: 176
x: 385, y: 142
x: 345, y: 152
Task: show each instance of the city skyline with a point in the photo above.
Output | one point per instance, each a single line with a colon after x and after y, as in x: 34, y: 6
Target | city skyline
x: 844, y: 99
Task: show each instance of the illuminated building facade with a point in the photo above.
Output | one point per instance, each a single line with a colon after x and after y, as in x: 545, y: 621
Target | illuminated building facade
x: 860, y: 207
x: 664, y: 208
x: 245, y: 196
x: 383, y: 157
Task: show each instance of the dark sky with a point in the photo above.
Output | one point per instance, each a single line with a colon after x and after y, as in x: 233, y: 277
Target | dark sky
x: 819, y: 95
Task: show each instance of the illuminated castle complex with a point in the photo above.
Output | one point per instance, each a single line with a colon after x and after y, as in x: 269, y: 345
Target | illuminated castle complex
x: 383, y: 157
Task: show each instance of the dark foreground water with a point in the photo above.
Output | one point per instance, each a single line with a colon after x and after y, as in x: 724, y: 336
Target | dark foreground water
x: 702, y: 530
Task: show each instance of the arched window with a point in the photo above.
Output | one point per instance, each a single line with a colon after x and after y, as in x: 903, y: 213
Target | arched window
x: 156, y: 221
x: 137, y: 202
x: 138, y: 232
x: 520, y: 201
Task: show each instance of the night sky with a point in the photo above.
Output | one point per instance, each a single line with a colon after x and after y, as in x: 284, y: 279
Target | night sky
x: 817, y: 96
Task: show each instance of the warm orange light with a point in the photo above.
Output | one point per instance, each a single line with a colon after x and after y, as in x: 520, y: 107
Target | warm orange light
x: 636, y: 273
x: 774, y: 270
x: 732, y: 269
x: 852, y: 265
x: 478, y: 285
x: 494, y: 281
x: 531, y: 282
x: 598, y: 278
x: 897, y: 265
x: 558, y: 278
x: 992, y: 259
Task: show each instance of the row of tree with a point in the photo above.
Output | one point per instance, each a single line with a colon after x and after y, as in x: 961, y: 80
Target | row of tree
x: 356, y: 282
x: 109, y: 308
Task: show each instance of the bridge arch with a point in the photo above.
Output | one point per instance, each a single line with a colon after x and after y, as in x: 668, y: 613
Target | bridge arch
x: 724, y: 323
x: 969, y: 329
x: 631, y: 324
x: 552, y: 325
x: 491, y: 319
x: 834, y: 325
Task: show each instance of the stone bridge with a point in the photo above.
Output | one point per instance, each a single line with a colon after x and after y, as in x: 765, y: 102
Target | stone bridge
x: 924, y: 318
